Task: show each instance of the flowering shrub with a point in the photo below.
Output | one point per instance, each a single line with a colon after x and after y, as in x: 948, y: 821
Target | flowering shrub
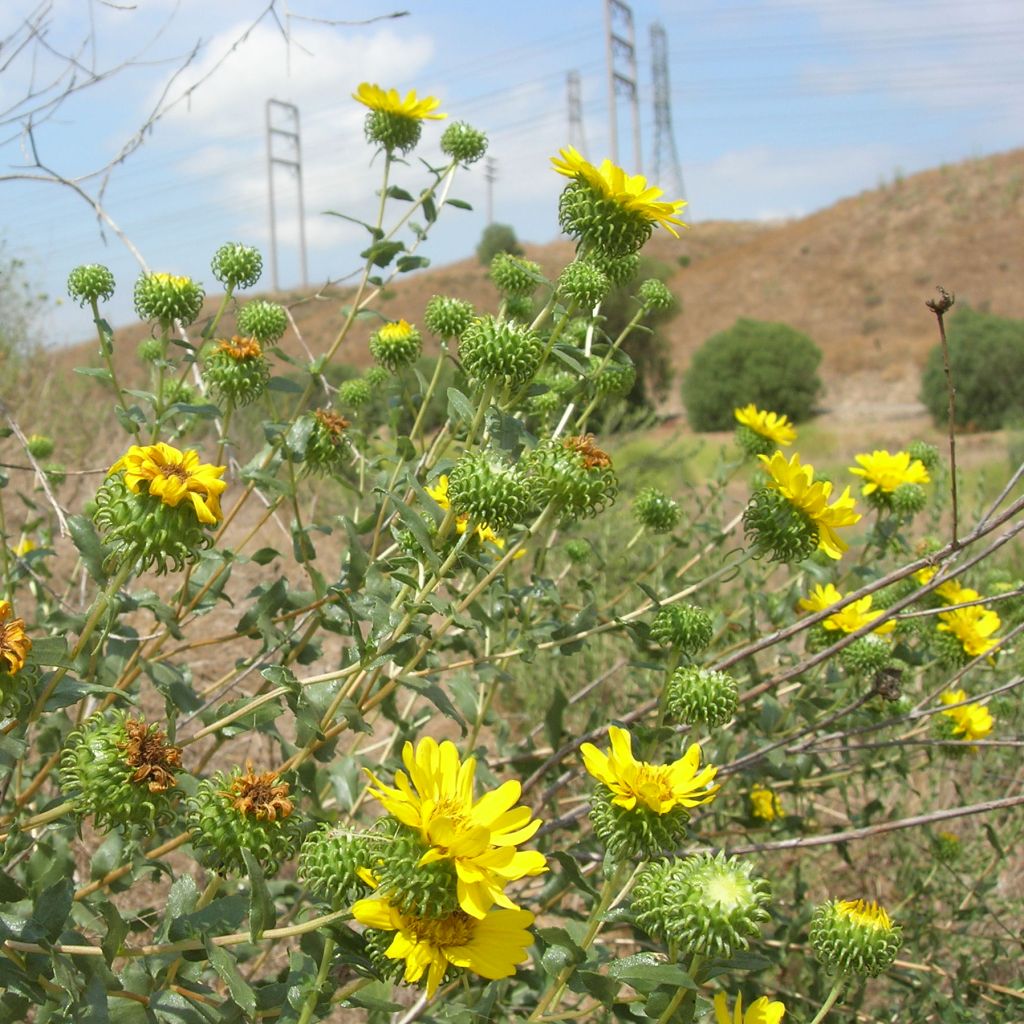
x: 456, y: 749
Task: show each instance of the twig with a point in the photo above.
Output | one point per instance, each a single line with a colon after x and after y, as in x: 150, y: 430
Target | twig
x: 940, y: 307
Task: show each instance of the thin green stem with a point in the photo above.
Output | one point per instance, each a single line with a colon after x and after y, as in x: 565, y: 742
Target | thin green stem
x: 830, y: 1000
x: 106, y: 351
x: 309, y: 1003
x: 682, y: 994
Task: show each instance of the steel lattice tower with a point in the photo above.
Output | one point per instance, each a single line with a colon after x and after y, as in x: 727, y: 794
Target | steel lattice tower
x: 620, y: 43
x: 666, y: 158
x: 574, y: 95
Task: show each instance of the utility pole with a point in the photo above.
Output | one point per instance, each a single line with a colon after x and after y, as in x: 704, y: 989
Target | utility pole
x: 574, y: 94
x: 491, y: 174
x: 666, y: 158
x: 620, y: 45
x: 283, y: 130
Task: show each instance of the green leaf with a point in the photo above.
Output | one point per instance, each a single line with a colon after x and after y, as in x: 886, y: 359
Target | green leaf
x: 285, y: 385
x: 380, y: 254
x: 413, y: 522
x: 100, y: 372
x: 459, y: 406
x: 222, y: 916
x: 51, y: 910
x: 407, y: 263
x: 554, y: 715
x: 117, y: 929
x: 89, y: 545
x: 51, y: 652
x: 399, y: 193
x: 261, y: 907
x: 644, y: 972
x: 181, y: 900
x: 572, y: 871
x: 264, y: 556
x: 224, y: 964
x: 459, y: 204
x: 297, y: 438
x: 375, y: 232
x: 429, y: 209
x: 10, y: 891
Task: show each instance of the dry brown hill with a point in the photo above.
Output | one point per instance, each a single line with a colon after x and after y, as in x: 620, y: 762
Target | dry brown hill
x: 854, y: 276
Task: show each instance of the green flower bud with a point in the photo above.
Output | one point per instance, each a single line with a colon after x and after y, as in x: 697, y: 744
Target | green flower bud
x: 618, y: 269
x: 236, y: 371
x: 908, y: 500
x: 150, y: 350
x: 487, y: 488
x: 683, y: 627
x: 464, y: 143
x: 776, y: 528
x: 753, y: 443
x: 376, y: 377
x: 329, y: 863
x: 177, y: 392
x: 91, y: 282
x: 519, y: 308
x: 699, y: 696
x: 355, y: 393
x: 328, y: 449
x: 947, y: 844
x: 557, y: 385
x: 947, y: 648
x: 236, y: 265
x: 512, y: 275
x: 578, y: 550
x: 583, y: 283
x: 854, y: 937
x: 420, y: 890
x: 866, y: 656
x: 40, y: 446
x: 575, y: 332
x: 392, y: 131
x: 654, y: 295
x: 396, y: 345
x: 264, y: 321
x: 601, y: 223
x: 656, y: 511
x: 500, y: 352
x: 638, y: 833
x: 925, y: 453
x: 614, y: 377
x: 572, y: 474
x: 707, y: 906
x: 120, y: 771
x: 243, y: 811
x: 166, y: 298
x: 447, y: 317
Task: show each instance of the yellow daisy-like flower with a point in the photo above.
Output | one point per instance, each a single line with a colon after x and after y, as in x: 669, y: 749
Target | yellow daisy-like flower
x: 765, y: 803
x: 479, y: 836
x: 797, y: 485
x: 885, y: 472
x: 631, y: 192
x: 972, y: 626
x: 771, y: 425
x: 25, y: 545
x: 659, y: 787
x: 172, y: 476
x: 760, y: 1011
x: 926, y: 575
x: 854, y: 616
x: 866, y: 914
x: 14, y: 642
x: 971, y: 721
x: 391, y: 102
x: 491, y: 945
x: 953, y: 593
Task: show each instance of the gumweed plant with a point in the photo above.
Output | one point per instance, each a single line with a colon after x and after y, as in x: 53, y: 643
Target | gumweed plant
x: 456, y: 747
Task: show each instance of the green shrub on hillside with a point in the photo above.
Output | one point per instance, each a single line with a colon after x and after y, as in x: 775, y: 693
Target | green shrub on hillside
x: 986, y: 358
x: 769, y: 364
x: 497, y: 238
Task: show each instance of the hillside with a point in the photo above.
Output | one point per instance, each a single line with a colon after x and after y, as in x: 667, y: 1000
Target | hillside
x: 854, y: 276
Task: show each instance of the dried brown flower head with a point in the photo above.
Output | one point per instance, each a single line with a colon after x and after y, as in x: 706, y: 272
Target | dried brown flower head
x: 241, y: 348
x: 155, y: 760
x: 332, y: 423
x: 593, y: 457
x: 14, y: 643
x: 260, y: 796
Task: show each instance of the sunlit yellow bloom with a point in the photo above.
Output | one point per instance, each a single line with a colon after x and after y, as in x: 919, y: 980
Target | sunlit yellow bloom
x: 374, y: 97
x: 490, y: 945
x: 172, y: 475
x: 760, y: 1011
x: 765, y: 803
x: 971, y: 721
x: 630, y: 192
x: 797, y: 485
x: 821, y: 597
x: 659, y: 787
x: 768, y: 424
x: 854, y: 616
x: 885, y: 472
x: 926, y: 575
x: 865, y: 914
x: 25, y: 545
x: 14, y: 642
x: 952, y: 593
x: 479, y: 836
x: 972, y: 626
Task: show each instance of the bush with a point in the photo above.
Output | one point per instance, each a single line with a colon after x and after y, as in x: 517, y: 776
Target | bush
x: 771, y: 365
x: 986, y: 359
x: 497, y: 238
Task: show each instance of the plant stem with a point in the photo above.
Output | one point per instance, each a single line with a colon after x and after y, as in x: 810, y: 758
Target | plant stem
x: 830, y: 1000
x: 681, y: 993
x: 309, y: 1004
x: 940, y: 307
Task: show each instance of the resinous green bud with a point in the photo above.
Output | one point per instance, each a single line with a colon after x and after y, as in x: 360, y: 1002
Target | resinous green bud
x: 236, y: 265
x: 262, y: 320
x: 236, y: 371
x: 489, y: 489
x: 854, y: 937
x: 328, y: 449
x: 654, y: 295
x: 638, y: 833
x: 166, y: 298
x: 355, y: 393
x: 463, y: 142
x: 40, y: 446
x: 777, y: 529
x: 330, y: 861
x: 91, y: 282
x: 396, y: 345
x: 753, y: 443
x: 500, y: 352
x: 572, y: 474
x: 926, y: 453
x: 447, y: 317
x: 584, y: 283
x: 866, y: 655
x: 615, y: 376
x: 699, y: 696
x: 392, y: 131
x: 683, y: 627
x: 908, y: 500
x: 150, y: 350
x: 513, y: 275
x: 618, y: 269
x: 600, y: 222
x: 656, y: 511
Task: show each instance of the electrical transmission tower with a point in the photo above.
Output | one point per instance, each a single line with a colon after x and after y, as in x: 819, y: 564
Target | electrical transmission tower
x: 491, y: 176
x: 620, y: 42
x: 574, y: 94
x: 283, y: 130
x: 666, y: 159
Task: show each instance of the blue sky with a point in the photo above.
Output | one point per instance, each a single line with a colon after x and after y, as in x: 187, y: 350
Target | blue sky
x: 779, y: 108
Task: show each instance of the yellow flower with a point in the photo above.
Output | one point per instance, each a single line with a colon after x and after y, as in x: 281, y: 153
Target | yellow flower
x: 972, y: 626
x: 971, y: 721
x: 25, y: 545
x: 659, y: 787
x: 391, y: 102
x: 490, y: 946
x: 764, y: 803
x: 479, y: 836
x: 14, y: 642
x: 865, y: 914
x: 760, y: 1011
x: 952, y: 593
x: 172, y: 475
x: 854, y: 616
x: 768, y: 424
x: 797, y: 485
x: 885, y: 472
x: 926, y: 575
x: 630, y: 192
